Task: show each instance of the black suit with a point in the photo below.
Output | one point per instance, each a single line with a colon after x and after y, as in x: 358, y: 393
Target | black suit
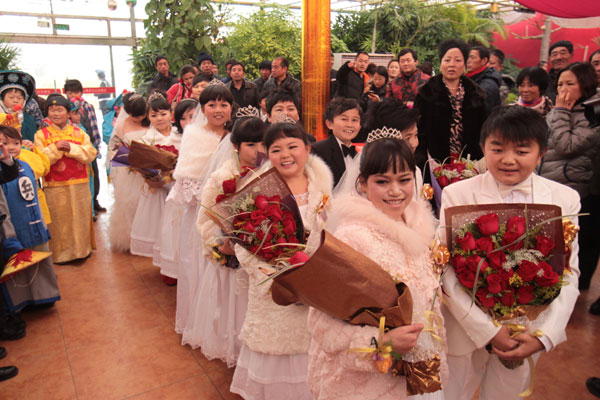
x: 329, y: 150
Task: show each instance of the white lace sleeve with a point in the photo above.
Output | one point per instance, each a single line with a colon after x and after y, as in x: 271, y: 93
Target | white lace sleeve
x: 185, y: 190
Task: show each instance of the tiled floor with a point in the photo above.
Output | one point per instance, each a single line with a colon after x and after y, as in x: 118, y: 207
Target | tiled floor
x: 111, y: 337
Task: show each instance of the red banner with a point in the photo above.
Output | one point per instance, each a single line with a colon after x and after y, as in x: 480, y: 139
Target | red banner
x: 89, y: 90
x: 45, y: 92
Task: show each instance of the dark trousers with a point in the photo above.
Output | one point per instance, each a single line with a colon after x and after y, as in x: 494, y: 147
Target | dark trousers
x: 96, y: 180
x: 589, y: 234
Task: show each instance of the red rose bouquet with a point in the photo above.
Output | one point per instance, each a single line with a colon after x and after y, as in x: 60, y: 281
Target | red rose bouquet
x: 446, y: 173
x: 156, y: 163
x: 511, y: 258
x: 455, y: 171
x: 263, y: 217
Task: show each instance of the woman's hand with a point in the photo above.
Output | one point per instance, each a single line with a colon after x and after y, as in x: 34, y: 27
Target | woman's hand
x: 403, y: 338
x: 226, y: 248
x: 563, y: 100
x: 373, y: 97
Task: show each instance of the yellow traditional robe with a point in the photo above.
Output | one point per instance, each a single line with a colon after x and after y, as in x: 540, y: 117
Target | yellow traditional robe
x: 40, y: 165
x: 67, y: 191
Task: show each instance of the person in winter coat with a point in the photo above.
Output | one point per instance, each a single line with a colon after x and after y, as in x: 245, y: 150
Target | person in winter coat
x: 452, y: 108
x: 486, y: 77
x: 351, y: 78
x: 573, y: 147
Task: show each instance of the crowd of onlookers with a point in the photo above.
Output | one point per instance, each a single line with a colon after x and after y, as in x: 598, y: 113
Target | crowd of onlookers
x: 50, y: 178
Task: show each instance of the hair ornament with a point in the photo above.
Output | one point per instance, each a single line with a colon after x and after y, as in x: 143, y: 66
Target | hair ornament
x: 384, y: 133
x: 249, y: 111
x: 215, y: 81
x: 284, y: 119
x: 134, y: 97
x: 155, y: 95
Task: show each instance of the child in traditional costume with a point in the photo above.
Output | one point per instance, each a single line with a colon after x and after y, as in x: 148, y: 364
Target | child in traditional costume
x: 169, y: 245
x: 273, y: 360
x: 378, y: 216
x: 37, y: 284
x: 147, y: 223
x: 222, y: 295
x: 16, y: 88
x: 131, y: 125
x: 66, y: 185
x: 513, y: 140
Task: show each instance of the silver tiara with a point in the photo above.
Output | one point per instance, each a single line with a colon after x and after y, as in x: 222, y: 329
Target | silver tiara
x: 249, y: 111
x: 134, y: 97
x: 284, y: 119
x: 215, y: 81
x: 384, y: 133
x: 155, y: 95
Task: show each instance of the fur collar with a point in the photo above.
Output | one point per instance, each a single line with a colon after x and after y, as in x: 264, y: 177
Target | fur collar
x: 435, y: 91
x: 414, y: 236
x: 197, y: 147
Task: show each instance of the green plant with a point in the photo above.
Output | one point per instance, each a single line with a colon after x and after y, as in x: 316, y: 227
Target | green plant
x: 179, y: 30
x: 265, y: 35
x: 8, y: 55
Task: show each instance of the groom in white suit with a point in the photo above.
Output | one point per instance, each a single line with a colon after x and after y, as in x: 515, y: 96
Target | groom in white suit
x: 513, y: 140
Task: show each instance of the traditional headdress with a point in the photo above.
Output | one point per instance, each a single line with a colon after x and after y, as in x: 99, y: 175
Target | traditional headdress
x: 10, y: 79
x: 58, y: 100
x: 384, y: 133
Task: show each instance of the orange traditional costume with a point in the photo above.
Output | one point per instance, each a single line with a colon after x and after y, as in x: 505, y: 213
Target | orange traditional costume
x: 67, y: 191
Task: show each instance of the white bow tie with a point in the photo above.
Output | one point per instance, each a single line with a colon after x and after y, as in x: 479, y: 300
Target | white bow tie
x: 523, y: 187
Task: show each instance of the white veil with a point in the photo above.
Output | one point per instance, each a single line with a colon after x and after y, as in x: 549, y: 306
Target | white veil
x: 348, y: 181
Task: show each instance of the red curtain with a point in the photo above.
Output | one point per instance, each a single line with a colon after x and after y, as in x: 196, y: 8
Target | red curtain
x: 564, y: 9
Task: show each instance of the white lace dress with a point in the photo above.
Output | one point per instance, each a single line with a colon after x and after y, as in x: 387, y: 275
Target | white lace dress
x: 127, y: 186
x: 147, y: 223
x: 219, y: 307
x: 273, y: 361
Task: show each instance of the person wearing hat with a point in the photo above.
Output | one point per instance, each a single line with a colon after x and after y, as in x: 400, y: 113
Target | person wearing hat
x: 66, y: 185
x: 31, y: 286
x: 163, y: 79
x: 16, y: 88
x: 102, y: 97
x: 560, y: 54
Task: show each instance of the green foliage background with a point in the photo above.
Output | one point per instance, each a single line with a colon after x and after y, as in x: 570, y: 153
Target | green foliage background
x: 8, y: 55
x: 180, y: 29
x: 264, y: 35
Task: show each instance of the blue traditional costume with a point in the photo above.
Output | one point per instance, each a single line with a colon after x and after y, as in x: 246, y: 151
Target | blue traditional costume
x: 36, y: 284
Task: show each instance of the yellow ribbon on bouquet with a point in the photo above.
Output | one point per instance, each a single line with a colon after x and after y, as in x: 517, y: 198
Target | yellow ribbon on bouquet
x: 433, y: 325
x: 384, y: 352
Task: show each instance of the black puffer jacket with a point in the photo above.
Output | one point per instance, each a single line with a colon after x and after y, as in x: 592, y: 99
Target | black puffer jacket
x: 434, y: 106
x: 349, y: 83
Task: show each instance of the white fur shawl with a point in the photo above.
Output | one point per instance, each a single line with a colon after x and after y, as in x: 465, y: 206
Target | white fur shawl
x: 197, y: 146
x: 414, y: 236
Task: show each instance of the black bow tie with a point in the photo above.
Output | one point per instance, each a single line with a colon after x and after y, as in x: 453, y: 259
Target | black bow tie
x: 348, y: 150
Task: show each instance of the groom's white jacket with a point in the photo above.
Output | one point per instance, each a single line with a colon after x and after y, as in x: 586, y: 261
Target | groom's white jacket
x: 469, y: 328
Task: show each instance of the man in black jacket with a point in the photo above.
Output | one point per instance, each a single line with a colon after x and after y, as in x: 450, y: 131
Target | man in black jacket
x: 488, y: 78
x: 163, y: 80
x: 265, y: 73
x: 281, y: 78
x: 244, y: 93
x: 351, y: 78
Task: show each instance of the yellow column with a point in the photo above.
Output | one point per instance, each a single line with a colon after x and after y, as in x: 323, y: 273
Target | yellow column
x: 316, y: 49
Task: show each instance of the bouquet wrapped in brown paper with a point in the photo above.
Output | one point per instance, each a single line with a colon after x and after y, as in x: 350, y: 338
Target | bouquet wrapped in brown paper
x: 143, y: 156
x: 348, y: 285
